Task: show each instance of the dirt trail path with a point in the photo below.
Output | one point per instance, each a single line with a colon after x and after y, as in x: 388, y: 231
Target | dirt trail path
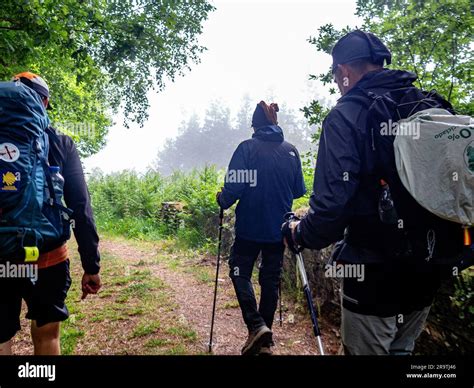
x: 194, y: 301
x: 163, y: 306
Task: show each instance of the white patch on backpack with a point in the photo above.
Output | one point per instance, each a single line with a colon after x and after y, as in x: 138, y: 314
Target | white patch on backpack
x: 292, y: 153
x: 9, y: 152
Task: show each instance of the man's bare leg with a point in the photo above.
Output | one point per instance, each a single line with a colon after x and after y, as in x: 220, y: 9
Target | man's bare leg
x: 46, y: 339
x: 6, y: 348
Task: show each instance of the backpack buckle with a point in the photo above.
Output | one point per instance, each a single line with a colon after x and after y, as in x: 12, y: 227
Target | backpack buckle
x: 38, y: 147
x: 31, y: 251
x: 31, y: 254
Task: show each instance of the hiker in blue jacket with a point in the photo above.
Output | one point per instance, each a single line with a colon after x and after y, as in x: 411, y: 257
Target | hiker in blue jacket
x: 264, y: 176
x: 385, y: 312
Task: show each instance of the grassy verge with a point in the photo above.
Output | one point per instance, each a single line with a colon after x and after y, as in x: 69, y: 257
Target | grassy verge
x: 134, y: 314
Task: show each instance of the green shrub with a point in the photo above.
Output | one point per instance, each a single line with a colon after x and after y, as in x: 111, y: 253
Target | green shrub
x: 129, y: 204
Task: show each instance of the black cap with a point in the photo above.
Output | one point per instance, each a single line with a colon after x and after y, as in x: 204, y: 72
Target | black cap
x: 358, y: 44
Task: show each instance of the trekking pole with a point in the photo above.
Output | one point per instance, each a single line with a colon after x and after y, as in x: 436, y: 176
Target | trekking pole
x: 309, y: 299
x: 306, y: 289
x: 221, y: 218
x: 281, y: 314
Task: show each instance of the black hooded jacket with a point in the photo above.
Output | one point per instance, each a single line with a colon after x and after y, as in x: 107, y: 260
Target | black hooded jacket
x: 278, y: 180
x: 63, y: 153
x: 344, y: 203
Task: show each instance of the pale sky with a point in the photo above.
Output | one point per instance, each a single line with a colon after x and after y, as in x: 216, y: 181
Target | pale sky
x: 254, y: 47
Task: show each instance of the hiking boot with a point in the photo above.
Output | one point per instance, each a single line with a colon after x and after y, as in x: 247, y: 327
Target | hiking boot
x: 257, y: 338
x: 265, y: 350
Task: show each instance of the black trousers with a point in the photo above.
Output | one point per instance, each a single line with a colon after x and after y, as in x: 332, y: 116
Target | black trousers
x: 243, y: 256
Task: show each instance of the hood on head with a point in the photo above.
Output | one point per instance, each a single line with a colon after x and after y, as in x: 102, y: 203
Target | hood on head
x: 269, y: 133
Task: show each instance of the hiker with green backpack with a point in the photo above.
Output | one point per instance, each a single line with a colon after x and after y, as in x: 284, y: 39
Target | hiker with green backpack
x: 42, y: 194
x: 394, y: 188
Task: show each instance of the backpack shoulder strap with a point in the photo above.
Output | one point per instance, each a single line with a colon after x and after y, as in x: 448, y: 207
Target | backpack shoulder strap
x: 53, y: 136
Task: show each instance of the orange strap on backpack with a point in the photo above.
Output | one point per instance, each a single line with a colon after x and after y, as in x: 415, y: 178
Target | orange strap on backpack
x: 53, y: 257
x: 467, y: 237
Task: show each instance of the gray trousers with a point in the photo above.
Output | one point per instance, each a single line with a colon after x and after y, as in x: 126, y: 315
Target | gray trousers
x: 372, y: 335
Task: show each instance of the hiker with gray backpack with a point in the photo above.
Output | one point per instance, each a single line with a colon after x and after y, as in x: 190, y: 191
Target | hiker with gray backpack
x: 42, y: 194
x: 393, y: 187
